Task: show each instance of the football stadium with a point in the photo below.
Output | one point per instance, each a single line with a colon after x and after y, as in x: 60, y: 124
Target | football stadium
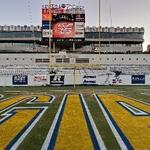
x: 67, y: 86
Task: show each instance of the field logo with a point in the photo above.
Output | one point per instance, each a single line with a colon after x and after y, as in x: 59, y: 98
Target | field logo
x: 57, y: 79
x: 20, y: 79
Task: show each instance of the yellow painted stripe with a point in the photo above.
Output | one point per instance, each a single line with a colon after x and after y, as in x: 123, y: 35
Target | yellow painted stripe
x: 73, y: 133
x: 6, y: 103
x: 11, y: 127
x: 135, y: 128
x: 43, y: 98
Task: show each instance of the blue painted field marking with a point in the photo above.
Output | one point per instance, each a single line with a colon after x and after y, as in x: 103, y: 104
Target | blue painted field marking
x: 96, y: 137
x: 53, y: 131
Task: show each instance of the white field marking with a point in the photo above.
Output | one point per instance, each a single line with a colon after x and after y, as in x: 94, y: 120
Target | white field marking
x: 8, y: 98
x: 134, y: 99
x: 1, y: 95
x: 147, y: 94
x: 33, y: 100
x: 133, y: 110
x: 115, y: 132
x: 51, y: 130
x: 22, y: 137
x: 24, y: 99
x: 96, y: 132
x: 53, y: 98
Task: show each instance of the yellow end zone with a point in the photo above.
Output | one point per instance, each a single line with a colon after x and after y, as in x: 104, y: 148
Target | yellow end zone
x: 135, y: 127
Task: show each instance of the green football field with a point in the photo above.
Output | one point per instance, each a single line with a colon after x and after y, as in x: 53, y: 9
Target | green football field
x: 30, y: 117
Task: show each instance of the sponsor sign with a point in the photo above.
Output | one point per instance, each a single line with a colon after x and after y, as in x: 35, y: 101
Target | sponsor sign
x: 40, y: 78
x: 89, y: 80
x: 79, y: 29
x: 116, y: 80
x: 45, y: 33
x: 79, y: 17
x: 63, y: 17
x: 45, y: 15
x: 57, y: 79
x: 20, y: 79
x: 45, y: 24
x: 138, y: 79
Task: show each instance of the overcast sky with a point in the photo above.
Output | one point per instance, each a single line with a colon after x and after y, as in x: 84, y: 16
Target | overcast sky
x: 134, y: 13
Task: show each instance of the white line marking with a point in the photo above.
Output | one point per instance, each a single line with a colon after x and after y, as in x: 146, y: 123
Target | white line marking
x: 33, y: 100
x: 1, y: 95
x: 24, y: 99
x: 134, y: 99
x: 96, y: 132
x: 116, y: 134
x: 51, y: 130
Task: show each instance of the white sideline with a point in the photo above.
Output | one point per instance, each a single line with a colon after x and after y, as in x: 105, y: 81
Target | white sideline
x: 115, y: 132
x: 51, y: 130
x: 96, y: 132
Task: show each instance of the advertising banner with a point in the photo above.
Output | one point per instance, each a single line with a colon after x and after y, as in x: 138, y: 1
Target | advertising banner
x: 57, y: 79
x: 89, y: 80
x: 63, y: 30
x: 79, y: 30
x: 20, y: 79
x: 63, y: 17
x: 79, y: 17
x: 40, y: 78
x: 45, y: 33
x: 45, y: 24
x: 67, y: 9
x: 45, y: 15
x: 138, y: 79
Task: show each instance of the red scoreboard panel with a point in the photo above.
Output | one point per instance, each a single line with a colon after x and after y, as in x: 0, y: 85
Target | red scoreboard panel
x: 63, y: 30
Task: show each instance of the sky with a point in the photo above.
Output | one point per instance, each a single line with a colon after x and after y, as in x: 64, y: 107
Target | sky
x: 128, y: 13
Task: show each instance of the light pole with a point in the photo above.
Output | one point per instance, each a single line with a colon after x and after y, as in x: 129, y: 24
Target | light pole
x: 99, y: 21
x: 49, y: 48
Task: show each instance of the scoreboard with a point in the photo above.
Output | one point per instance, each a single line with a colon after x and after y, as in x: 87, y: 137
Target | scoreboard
x: 67, y: 22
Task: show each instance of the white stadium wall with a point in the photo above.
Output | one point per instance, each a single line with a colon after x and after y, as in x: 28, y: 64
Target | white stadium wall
x: 32, y: 69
